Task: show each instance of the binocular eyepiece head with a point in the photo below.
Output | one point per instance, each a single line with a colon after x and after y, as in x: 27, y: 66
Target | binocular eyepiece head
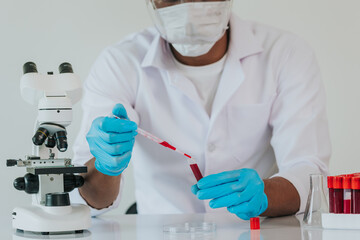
x: 30, y: 67
x: 65, y: 68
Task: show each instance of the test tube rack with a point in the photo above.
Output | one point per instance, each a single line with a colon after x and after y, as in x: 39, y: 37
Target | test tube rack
x: 344, y: 202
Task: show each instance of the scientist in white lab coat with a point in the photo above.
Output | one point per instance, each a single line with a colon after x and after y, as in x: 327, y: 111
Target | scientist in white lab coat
x: 244, y: 99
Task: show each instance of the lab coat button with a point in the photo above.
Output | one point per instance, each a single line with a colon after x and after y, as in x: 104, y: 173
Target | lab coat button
x: 211, y: 147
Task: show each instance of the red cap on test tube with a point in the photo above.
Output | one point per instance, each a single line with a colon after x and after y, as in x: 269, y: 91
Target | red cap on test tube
x: 355, y: 182
x: 255, y: 223
x: 330, y: 181
x: 347, y: 182
x: 338, y: 182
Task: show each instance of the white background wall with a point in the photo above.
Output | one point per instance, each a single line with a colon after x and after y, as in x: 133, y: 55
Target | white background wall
x: 50, y: 32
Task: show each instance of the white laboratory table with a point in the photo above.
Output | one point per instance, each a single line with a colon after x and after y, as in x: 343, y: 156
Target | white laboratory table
x: 148, y: 227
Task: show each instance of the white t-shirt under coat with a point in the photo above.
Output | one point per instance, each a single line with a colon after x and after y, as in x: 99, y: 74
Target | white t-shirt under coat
x: 205, y: 78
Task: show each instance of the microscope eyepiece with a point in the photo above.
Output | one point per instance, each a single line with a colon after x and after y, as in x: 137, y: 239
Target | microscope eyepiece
x: 65, y: 68
x: 29, y: 67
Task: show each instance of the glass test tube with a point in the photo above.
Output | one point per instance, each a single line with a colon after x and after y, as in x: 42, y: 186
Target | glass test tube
x: 330, y: 182
x: 355, y: 185
x: 347, y: 194
x: 338, y: 195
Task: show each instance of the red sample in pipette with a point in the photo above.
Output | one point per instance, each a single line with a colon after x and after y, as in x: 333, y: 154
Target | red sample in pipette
x: 193, y: 165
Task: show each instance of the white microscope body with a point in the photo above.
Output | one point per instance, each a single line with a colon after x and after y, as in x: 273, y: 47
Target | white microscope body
x: 49, y: 178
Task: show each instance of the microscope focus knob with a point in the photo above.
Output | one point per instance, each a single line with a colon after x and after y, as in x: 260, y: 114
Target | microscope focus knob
x: 29, y: 183
x: 59, y: 199
x: 72, y: 181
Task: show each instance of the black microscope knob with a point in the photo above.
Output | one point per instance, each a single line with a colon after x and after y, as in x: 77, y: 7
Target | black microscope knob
x: 29, y: 183
x: 11, y: 162
x: 72, y: 181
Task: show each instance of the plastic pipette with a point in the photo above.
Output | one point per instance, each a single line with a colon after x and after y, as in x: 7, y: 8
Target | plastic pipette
x: 193, y: 165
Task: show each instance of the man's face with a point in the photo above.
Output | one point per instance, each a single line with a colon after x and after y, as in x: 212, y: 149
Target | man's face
x: 168, y: 3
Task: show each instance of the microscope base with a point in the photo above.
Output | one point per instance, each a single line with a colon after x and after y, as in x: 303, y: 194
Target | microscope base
x: 52, y: 219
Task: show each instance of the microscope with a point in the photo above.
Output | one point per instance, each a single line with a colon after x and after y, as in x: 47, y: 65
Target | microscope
x: 49, y: 178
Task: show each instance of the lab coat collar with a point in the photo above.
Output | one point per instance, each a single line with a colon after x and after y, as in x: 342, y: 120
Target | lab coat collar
x: 158, y: 55
x: 243, y: 43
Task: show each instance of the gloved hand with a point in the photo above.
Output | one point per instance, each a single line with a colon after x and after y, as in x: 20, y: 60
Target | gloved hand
x: 111, y: 141
x: 240, y: 191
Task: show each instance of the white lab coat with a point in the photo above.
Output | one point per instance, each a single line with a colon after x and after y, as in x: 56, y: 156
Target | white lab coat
x: 268, y: 114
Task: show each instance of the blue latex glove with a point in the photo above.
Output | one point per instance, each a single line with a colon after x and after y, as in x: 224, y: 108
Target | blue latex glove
x: 111, y: 141
x: 240, y: 191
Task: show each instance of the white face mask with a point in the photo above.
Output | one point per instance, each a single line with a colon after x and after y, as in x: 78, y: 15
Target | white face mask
x: 193, y: 28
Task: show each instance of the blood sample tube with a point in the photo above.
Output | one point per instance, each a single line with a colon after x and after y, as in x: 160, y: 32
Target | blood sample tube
x: 347, y: 193
x: 330, y: 182
x: 338, y: 195
x: 355, y: 186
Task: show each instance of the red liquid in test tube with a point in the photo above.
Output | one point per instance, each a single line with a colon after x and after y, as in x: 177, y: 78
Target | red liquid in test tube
x: 347, y: 194
x: 330, y: 182
x: 196, y: 171
x: 338, y: 195
x: 355, y: 185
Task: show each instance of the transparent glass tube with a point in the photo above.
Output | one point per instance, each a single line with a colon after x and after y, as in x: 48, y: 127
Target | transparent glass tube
x: 316, y: 203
